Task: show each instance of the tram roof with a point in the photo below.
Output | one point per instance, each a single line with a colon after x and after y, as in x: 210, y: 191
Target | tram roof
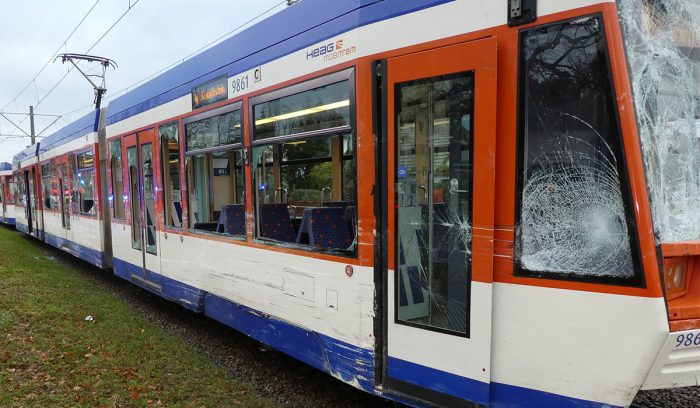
x: 78, y: 128
x: 30, y: 151
x: 294, y: 28
x: 5, y: 166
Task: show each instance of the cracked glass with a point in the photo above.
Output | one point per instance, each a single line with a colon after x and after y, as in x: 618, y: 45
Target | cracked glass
x: 662, y: 41
x: 573, y: 219
x: 433, y: 193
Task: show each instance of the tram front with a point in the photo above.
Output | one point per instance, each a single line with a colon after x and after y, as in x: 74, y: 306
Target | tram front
x: 662, y: 43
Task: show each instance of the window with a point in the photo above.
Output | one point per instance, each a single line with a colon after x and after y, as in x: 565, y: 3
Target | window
x: 22, y: 189
x: 574, y: 219
x: 134, y: 201
x: 75, y: 201
x: 303, y: 163
x: 172, y: 200
x: 149, y: 198
x: 46, y: 185
x: 215, y: 172
x: 64, y: 190
x: 12, y: 197
x: 662, y: 41
x: 18, y: 189
x: 117, y: 197
x: 54, y: 185
x: 433, y: 201
x: 320, y: 108
x: 86, y: 183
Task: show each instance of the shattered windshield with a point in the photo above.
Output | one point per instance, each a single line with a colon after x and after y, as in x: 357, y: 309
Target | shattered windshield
x: 662, y: 40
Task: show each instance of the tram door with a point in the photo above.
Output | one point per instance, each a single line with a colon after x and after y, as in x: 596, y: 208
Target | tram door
x: 142, y: 198
x: 440, y: 148
x: 64, y: 191
x: 30, y: 209
x: 3, y: 198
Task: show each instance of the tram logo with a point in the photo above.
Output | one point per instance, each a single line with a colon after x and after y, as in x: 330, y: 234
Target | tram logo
x: 330, y: 51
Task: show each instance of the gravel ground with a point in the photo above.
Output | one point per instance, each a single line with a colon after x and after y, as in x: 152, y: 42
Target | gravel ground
x: 272, y: 374
x: 679, y: 397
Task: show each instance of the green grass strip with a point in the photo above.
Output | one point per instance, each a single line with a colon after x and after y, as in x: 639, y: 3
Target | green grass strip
x: 51, y: 356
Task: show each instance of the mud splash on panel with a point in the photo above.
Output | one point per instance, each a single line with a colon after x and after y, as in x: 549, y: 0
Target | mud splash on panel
x: 662, y: 40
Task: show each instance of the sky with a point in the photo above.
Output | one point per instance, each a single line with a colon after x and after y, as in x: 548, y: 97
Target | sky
x: 152, y: 35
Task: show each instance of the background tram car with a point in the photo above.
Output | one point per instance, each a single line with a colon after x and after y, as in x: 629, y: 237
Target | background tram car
x: 7, y: 195
x: 440, y: 202
x: 27, y: 206
x: 70, y: 190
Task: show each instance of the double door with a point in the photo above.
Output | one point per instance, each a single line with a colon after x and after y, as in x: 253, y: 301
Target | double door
x: 439, y: 150
x: 140, y: 159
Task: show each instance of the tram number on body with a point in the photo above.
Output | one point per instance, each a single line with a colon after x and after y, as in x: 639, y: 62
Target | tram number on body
x: 239, y: 84
x: 688, y: 339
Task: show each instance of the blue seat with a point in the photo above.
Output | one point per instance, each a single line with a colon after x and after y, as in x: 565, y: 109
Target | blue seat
x: 232, y: 219
x: 343, y: 204
x: 275, y: 223
x: 329, y: 228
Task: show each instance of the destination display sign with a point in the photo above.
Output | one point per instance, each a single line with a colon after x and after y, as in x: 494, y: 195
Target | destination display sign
x: 210, y: 92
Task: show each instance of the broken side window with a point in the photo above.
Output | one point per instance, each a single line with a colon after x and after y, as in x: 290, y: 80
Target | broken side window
x: 434, y: 189
x: 574, y: 222
x: 215, y: 172
x: 303, y: 165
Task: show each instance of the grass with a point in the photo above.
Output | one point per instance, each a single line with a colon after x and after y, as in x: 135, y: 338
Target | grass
x: 51, y: 356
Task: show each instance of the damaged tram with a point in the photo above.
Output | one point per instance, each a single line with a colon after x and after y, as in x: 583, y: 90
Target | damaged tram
x: 442, y: 202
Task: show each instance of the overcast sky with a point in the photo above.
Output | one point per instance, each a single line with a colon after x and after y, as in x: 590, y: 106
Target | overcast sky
x: 151, y: 36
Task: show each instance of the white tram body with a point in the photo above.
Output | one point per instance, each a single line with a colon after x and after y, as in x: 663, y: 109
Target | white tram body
x: 70, y: 204
x: 24, y: 166
x: 517, y: 329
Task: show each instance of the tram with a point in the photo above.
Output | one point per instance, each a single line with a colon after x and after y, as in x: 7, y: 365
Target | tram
x: 442, y: 202
x: 7, y: 198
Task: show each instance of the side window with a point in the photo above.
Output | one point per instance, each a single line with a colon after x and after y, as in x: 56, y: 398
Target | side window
x: 303, y: 164
x: 75, y: 201
x: 86, y: 183
x: 215, y: 166
x: 170, y: 157
x: 574, y: 217
x: 54, y: 185
x: 46, y: 185
x: 115, y: 162
x: 19, y: 195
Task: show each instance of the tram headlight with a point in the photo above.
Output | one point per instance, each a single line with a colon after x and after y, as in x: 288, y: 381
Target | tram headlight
x: 676, y: 274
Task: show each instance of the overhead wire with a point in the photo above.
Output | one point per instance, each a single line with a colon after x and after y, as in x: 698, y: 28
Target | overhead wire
x: 70, y: 69
x: 64, y: 43
x: 131, y: 6
x: 161, y: 70
x: 53, y: 55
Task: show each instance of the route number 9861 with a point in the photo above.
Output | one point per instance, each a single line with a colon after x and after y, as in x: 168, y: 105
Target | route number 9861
x: 239, y: 84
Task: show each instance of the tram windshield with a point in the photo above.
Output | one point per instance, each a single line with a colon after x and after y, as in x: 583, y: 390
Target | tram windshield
x: 662, y: 39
